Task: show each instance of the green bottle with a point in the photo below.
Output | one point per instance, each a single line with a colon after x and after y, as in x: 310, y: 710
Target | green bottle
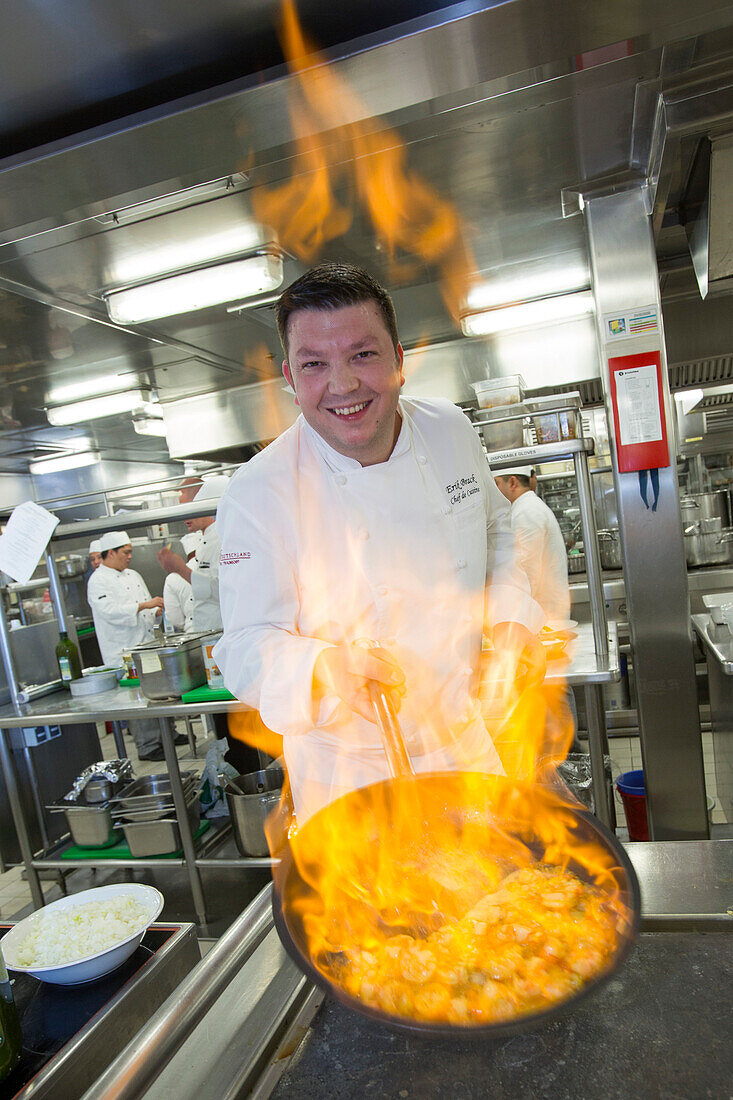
x: 11, y: 1039
x: 68, y: 658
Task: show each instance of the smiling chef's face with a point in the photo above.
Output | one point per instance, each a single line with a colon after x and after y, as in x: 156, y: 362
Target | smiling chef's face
x: 347, y: 377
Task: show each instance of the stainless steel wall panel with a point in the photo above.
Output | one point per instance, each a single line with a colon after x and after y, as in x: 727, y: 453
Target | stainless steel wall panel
x: 624, y: 276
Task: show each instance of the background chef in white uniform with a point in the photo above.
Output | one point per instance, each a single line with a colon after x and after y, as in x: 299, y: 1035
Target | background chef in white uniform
x: 202, y: 573
x: 124, y: 616
x: 372, y: 516
x: 95, y: 554
x: 540, y: 544
x: 542, y: 554
x: 177, y: 591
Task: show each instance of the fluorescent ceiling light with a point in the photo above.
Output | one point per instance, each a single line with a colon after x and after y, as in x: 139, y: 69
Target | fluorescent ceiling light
x: 148, y: 425
x: 111, y: 383
x: 526, y: 285
x: 544, y: 311
x: 189, y: 252
x: 63, y: 462
x: 96, y: 407
x: 193, y: 290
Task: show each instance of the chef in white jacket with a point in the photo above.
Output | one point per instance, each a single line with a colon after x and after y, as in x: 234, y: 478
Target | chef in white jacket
x: 177, y: 591
x: 124, y: 615
x: 202, y: 573
x: 540, y: 545
x: 375, y: 517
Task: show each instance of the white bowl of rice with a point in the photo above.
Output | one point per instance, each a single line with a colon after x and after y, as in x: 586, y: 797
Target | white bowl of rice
x: 83, y: 936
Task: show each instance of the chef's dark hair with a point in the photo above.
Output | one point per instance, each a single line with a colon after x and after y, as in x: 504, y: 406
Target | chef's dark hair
x: 331, y: 286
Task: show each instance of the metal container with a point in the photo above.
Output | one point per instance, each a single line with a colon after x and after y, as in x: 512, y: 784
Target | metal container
x: 168, y: 669
x: 100, y: 790
x: 70, y: 565
x: 706, y: 506
x: 148, y: 790
x: 251, y: 798
x: 609, y: 546
x: 576, y: 563
x: 707, y: 542
x: 163, y: 808
x: 94, y: 683
x: 90, y: 826
x: 160, y: 837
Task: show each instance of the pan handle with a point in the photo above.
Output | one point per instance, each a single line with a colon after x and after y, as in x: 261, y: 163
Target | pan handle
x: 399, y: 762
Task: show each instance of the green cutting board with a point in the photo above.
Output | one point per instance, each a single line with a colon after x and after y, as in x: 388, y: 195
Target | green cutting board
x: 122, y: 851
x: 206, y: 694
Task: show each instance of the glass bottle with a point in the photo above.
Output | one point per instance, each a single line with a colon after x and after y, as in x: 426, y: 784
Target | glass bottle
x: 68, y: 658
x: 11, y: 1039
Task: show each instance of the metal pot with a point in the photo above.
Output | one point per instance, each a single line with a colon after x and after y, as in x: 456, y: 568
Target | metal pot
x: 609, y: 546
x: 706, y: 506
x: 72, y: 565
x: 707, y: 542
x: 576, y: 563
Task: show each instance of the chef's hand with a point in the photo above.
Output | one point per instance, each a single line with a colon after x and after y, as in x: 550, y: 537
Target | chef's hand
x: 526, y: 650
x: 170, y: 561
x: 156, y: 602
x: 345, y: 670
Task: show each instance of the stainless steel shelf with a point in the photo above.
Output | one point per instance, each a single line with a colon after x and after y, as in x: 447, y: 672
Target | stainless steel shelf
x: 541, y: 452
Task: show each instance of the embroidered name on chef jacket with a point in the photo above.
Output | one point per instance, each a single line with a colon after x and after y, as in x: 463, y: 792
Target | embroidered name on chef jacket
x: 462, y: 489
x: 234, y: 558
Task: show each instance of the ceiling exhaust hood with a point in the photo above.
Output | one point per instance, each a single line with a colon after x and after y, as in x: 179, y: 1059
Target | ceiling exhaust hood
x: 709, y: 215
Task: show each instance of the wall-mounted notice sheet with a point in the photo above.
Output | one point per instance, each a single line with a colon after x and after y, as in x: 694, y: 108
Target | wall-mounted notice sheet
x: 638, y: 411
x: 24, y: 540
x: 639, y: 419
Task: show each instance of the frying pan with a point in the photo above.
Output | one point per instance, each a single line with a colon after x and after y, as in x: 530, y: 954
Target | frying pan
x: 436, y: 795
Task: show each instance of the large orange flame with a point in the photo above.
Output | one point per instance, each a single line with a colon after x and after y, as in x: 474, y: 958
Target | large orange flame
x: 413, y: 224
x: 460, y: 896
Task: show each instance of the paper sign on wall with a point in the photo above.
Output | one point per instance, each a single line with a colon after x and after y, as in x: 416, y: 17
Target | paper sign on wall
x: 24, y: 540
x: 638, y: 411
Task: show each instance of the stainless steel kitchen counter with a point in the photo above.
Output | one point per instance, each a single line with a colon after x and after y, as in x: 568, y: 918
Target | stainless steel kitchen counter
x: 266, y: 1016
x: 718, y: 641
x: 585, y: 667
x: 107, y: 706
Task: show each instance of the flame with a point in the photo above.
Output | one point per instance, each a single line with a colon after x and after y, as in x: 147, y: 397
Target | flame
x: 458, y: 895
x: 413, y: 224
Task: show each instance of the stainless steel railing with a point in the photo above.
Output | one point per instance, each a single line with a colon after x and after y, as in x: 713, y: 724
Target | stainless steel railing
x: 142, y: 1060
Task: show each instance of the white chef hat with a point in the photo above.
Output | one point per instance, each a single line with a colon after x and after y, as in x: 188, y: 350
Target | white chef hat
x: 525, y: 471
x: 95, y: 547
x: 212, y: 488
x: 111, y: 540
x: 190, y: 541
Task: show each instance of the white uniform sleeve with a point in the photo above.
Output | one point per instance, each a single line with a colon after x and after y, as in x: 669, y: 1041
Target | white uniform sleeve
x: 508, y: 596
x: 107, y: 603
x: 174, y: 612
x: 264, y: 660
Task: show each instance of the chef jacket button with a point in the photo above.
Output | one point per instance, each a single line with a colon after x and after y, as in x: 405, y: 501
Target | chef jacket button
x: 382, y: 590
x: 461, y: 563
x: 446, y: 509
x: 363, y: 533
x: 422, y: 459
x: 341, y: 480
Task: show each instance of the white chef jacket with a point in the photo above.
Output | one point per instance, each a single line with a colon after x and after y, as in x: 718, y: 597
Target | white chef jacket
x: 318, y: 550
x: 113, y: 597
x: 205, y: 581
x: 542, y: 554
x: 178, y: 602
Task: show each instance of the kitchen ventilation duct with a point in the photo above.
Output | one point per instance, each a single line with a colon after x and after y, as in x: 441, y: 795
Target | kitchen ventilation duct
x: 709, y: 215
